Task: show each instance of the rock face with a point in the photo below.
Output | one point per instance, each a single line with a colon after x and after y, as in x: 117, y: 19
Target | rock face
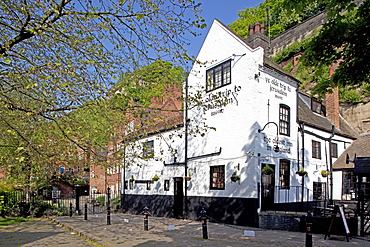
x: 358, y: 116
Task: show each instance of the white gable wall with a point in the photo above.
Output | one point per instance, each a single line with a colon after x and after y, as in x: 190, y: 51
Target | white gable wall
x: 254, y: 97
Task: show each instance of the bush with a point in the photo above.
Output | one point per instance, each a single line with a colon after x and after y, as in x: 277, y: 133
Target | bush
x: 366, y: 89
x: 116, y: 203
x: 38, y: 208
x: 16, y: 204
x: 100, y: 200
x: 350, y: 95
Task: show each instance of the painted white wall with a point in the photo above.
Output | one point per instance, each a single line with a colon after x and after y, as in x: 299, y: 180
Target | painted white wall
x: 314, y: 166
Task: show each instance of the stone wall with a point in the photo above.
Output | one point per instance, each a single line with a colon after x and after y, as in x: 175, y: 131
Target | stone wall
x: 289, y: 222
x: 297, y: 33
x: 358, y: 116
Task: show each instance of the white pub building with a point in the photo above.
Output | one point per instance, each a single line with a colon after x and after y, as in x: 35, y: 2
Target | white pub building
x: 266, y: 147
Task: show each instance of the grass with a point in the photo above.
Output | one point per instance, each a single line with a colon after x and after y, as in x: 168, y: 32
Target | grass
x: 11, y: 220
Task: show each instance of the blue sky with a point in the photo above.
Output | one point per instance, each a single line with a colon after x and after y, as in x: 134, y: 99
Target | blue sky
x: 225, y: 11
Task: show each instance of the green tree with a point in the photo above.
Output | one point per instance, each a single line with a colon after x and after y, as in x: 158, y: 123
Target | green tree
x: 280, y: 17
x: 344, y: 40
x: 98, y: 132
x: 58, y: 62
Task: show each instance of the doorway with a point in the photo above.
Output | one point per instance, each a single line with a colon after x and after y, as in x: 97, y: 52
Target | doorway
x: 267, y: 187
x: 178, y: 203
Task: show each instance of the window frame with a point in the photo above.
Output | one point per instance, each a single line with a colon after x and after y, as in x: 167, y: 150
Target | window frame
x: 148, y: 148
x: 217, y: 182
x: 334, y: 150
x: 148, y: 185
x: 316, y: 149
x: 317, y: 194
x: 284, y: 174
x: 284, y: 120
x: 221, y: 71
x: 166, y: 185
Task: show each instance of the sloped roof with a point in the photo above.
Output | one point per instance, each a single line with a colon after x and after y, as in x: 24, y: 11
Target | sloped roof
x: 360, y: 147
x: 308, y: 117
x: 267, y: 62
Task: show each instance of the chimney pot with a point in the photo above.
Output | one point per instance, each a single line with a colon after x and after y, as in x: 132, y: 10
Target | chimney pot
x: 263, y: 28
x: 251, y: 29
x: 257, y: 27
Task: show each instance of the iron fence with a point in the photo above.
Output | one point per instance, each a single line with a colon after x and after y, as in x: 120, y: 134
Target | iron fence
x: 294, y: 199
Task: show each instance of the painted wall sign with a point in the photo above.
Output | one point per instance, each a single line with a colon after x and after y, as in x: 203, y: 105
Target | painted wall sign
x: 284, y: 145
x: 280, y: 89
x: 217, y: 101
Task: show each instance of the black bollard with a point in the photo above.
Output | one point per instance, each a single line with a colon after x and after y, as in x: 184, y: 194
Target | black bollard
x: 204, y: 223
x: 108, y: 207
x: 108, y: 215
x: 70, y: 209
x: 308, y: 229
x: 146, y: 218
x: 85, y: 214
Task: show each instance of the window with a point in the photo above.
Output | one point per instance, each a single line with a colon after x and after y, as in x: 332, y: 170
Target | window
x: 316, y: 150
x: 166, y: 185
x: 334, y: 150
x: 349, y: 186
x: 130, y: 127
x: 148, y: 185
x: 318, y: 107
x: 148, y: 148
x: 217, y: 178
x: 319, y: 189
x: 284, y: 174
x: 131, y: 184
x: 284, y: 120
x: 218, y: 76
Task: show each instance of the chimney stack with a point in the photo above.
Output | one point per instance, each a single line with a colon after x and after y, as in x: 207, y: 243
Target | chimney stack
x: 257, y: 27
x: 332, y: 101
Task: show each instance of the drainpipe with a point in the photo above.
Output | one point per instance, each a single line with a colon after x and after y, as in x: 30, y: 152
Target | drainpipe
x: 302, y: 134
x: 331, y: 166
x: 186, y: 148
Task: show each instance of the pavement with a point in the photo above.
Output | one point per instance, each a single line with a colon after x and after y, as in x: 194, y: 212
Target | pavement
x: 128, y: 230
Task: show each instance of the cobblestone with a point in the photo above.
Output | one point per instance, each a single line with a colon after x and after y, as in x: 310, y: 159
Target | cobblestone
x: 128, y: 230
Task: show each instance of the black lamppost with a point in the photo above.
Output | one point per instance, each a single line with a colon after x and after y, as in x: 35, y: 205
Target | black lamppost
x: 123, y: 181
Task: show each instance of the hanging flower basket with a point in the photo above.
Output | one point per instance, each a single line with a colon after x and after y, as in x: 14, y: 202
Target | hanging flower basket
x: 267, y: 170
x: 325, y: 173
x: 188, y: 177
x: 155, y: 178
x: 234, y: 177
x: 302, y: 173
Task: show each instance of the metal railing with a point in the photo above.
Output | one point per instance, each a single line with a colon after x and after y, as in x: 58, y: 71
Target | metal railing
x: 21, y: 203
x: 293, y: 199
